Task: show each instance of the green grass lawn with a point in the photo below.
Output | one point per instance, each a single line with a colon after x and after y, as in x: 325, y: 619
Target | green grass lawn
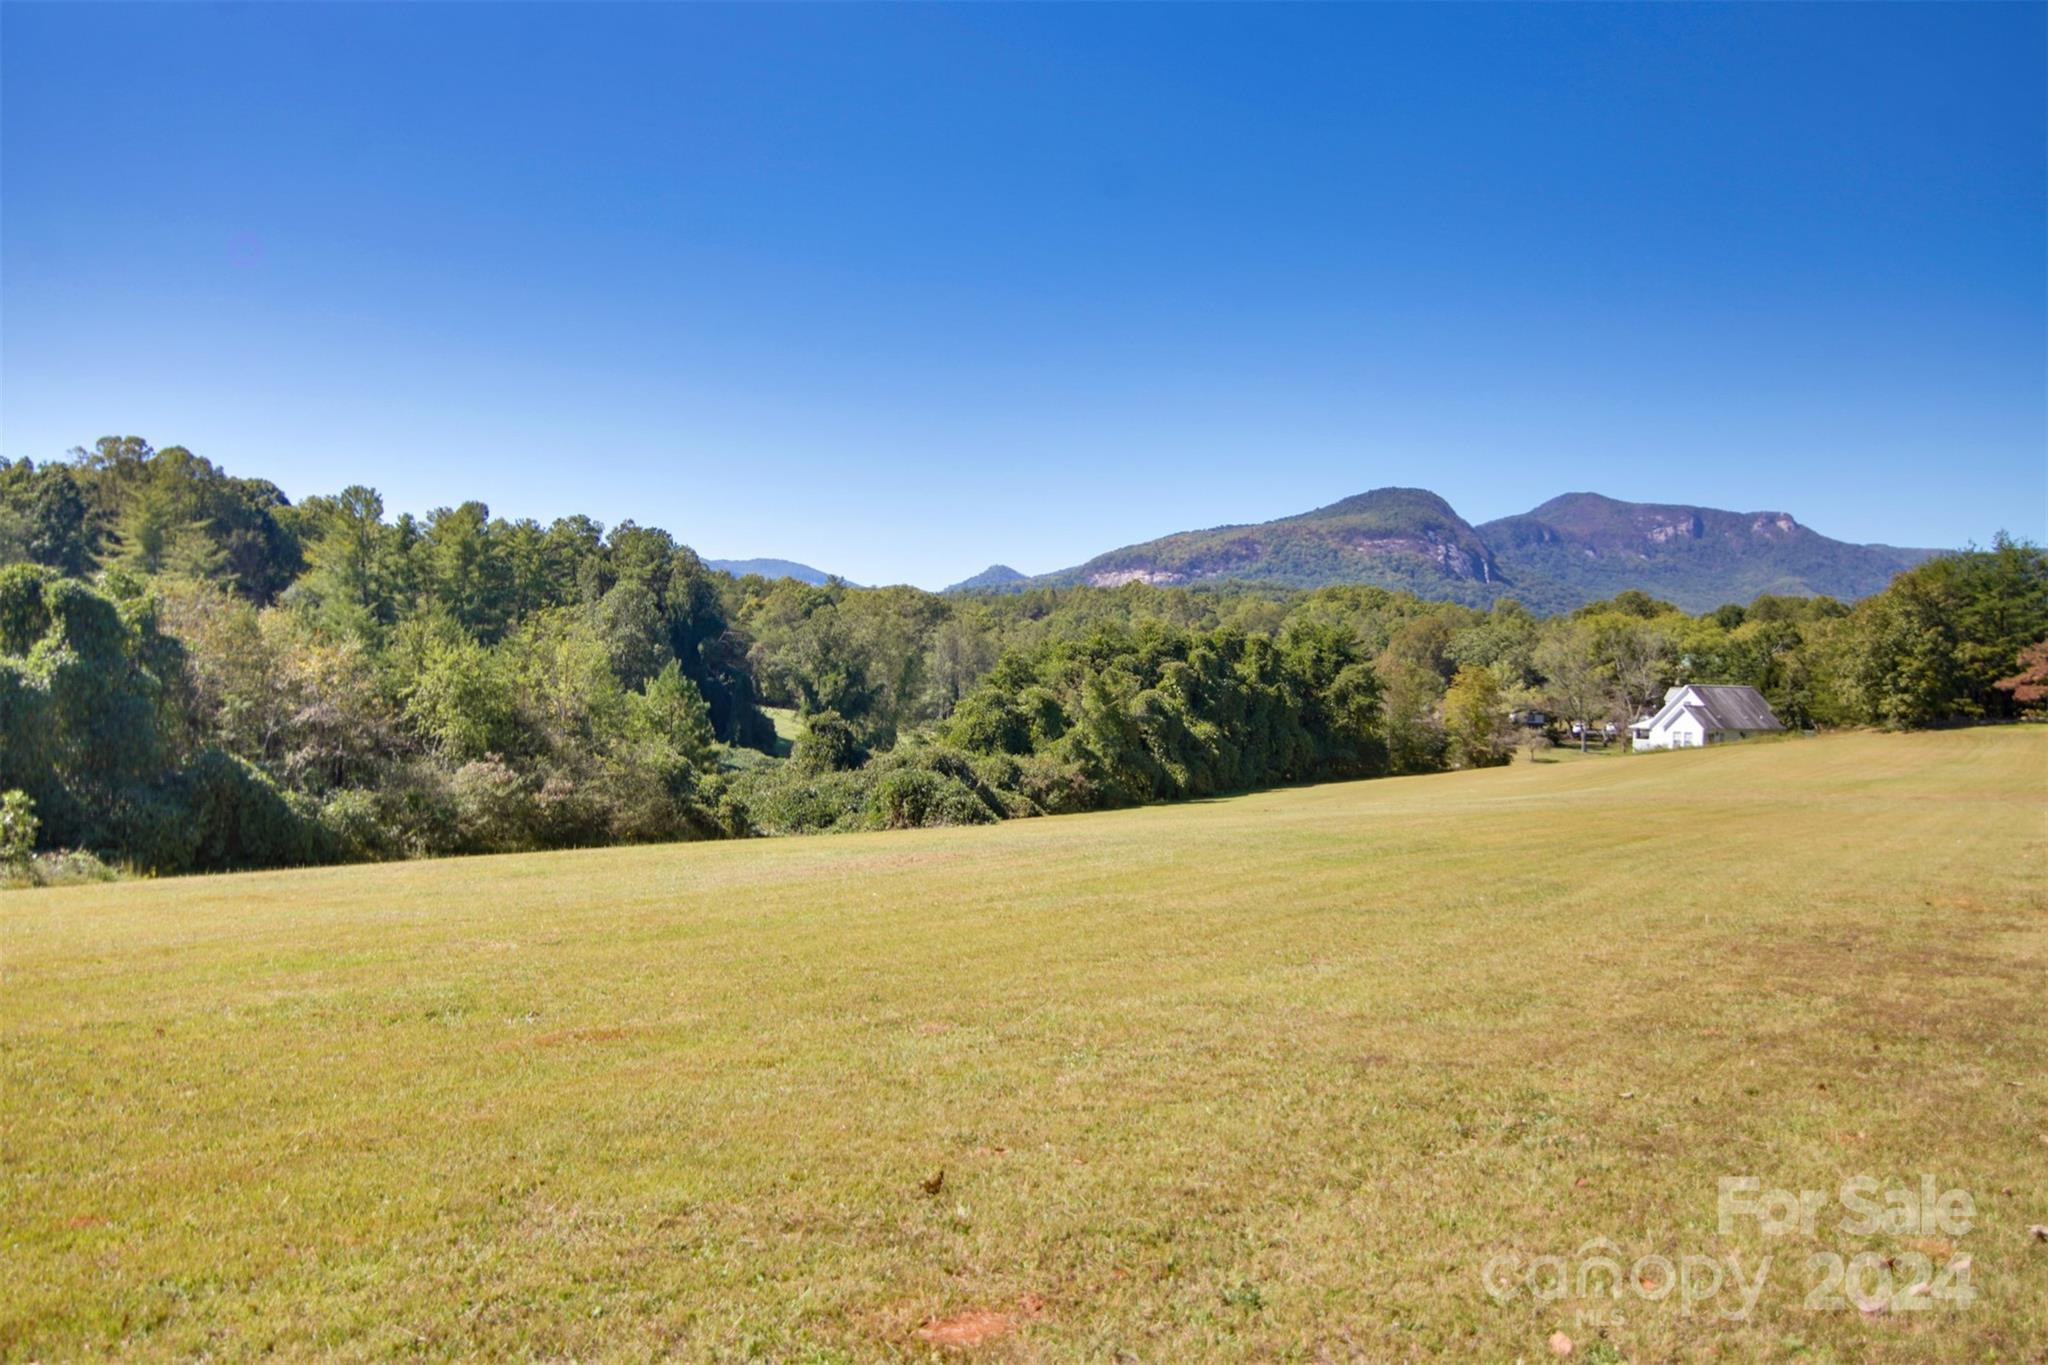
x: 788, y: 727
x: 1276, y: 1077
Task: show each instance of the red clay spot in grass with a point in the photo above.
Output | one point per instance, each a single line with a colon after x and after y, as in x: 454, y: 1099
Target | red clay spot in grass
x: 977, y: 1325
x: 971, y: 1328
x: 85, y: 1220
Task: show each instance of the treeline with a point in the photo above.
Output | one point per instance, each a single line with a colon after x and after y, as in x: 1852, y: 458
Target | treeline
x: 197, y: 673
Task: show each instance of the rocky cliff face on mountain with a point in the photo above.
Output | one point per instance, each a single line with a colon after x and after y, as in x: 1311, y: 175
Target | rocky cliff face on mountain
x: 1405, y: 537
x: 1571, y: 550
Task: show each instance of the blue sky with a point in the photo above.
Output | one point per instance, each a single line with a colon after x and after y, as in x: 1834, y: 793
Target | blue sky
x: 903, y: 291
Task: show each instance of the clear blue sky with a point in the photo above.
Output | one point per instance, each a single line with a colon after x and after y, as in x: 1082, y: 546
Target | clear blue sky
x: 903, y: 291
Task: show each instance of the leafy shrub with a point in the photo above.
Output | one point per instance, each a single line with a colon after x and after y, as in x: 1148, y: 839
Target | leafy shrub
x: 991, y: 723
x: 568, y: 814
x: 355, y: 830
x: 998, y: 780
x: 23, y: 617
x: 417, y: 808
x: 18, y: 826
x: 990, y: 779
x: 917, y: 784
x: 463, y: 700
x: 69, y: 867
x: 218, y: 813
x: 151, y: 830
x: 786, y: 799
x: 828, y: 744
x: 60, y: 867
x: 643, y: 792
x: 1057, y: 786
x: 731, y: 817
x: 236, y: 817
x: 909, y: 798
x: 493, y: 806
x: 672, y: 708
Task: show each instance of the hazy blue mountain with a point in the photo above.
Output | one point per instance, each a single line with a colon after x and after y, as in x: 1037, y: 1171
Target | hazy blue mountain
x: 994, y: 578
x: 769, y: 568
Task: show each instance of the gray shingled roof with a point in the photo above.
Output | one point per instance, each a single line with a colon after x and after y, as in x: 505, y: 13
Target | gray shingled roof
x: 1726, y: 707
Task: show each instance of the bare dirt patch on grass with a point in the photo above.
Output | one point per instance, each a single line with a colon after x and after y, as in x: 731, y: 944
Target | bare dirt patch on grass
x: 978, y: 1326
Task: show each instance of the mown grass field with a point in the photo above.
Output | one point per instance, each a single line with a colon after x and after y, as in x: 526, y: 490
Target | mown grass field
x: 1267, y: 1078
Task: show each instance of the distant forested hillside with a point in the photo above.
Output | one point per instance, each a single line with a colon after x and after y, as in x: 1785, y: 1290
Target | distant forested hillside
x: 1582, y: 546
x: 198, y: 673
x: 770, y: 568
x: 994, y: 576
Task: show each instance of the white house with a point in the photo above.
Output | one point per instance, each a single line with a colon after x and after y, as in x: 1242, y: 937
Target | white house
x: 1699, y: 713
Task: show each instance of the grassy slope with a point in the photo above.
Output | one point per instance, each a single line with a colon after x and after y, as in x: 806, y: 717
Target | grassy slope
x: 1266, y: 1077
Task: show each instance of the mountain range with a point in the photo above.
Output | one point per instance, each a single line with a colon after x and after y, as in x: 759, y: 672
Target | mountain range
x: 1574, y: 549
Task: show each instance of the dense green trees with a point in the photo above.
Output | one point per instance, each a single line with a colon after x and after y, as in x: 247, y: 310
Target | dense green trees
x: 372, y: 687
x: 1933, y: 645
x: 1474, y: 719
x: 195, y: 673
x: 1162, y: 713
x: 91, y: 704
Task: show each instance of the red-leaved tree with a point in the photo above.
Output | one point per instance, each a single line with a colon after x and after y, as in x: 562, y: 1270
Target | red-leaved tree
x: 2030, y: 684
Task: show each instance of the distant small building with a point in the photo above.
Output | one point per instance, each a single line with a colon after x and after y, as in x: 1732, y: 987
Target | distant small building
x: 1697, y: 714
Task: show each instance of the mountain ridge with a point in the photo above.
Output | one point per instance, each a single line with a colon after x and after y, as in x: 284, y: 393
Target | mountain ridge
x: 771, y: 568
x: 1573, y: 549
